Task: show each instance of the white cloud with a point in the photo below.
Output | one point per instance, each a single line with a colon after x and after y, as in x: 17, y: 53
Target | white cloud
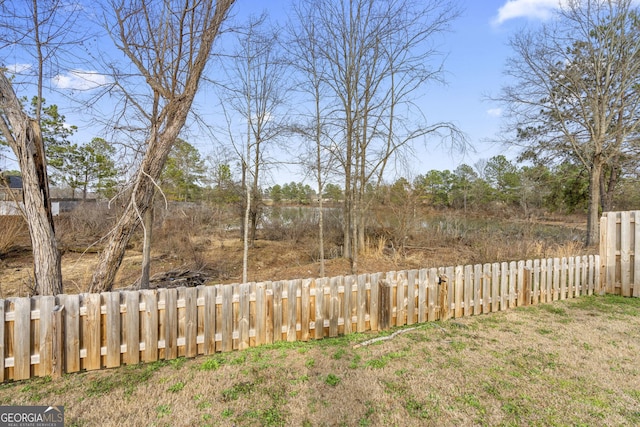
x: 535, y: 9
x: 80, y: 80
x: 494, y: 112
x: 18, y: 68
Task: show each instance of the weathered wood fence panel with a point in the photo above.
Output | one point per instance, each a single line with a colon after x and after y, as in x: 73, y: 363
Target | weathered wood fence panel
x: 620, y: 253
x: 110, y: 329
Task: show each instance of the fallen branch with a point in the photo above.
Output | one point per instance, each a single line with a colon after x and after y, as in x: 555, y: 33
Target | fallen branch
x: 385, y: 338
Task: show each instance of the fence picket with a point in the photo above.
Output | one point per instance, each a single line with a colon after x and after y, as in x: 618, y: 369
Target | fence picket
x: 112, y: 302
x: 305, y: 318
x: 468, y: 290
x: 132, y: 328
x: 611, y: 249
x: 334, y: 307
x: 401, y: 299
x: 582, y: 279
x: 171, y: 322
x: 347, y: 303
x: 22, y: 338
x: 319, y: 312
x: 549, y: 279
x: 210, y: 319
x: 449, y: 275
x: 422, y: 295
x: 261, y: 313
x: 45, y: 348
x: 190, y: 321
x: 542, y: 274
x: 71, y: 332
x: 520, y: 283
x: 292, y: 310
x: 577, y: 275
x: 432, y: 294
x: 495, y: 286
x: 504, y: 285
x: 235, y: 315
x: 636, y: 255
x: 372, y: 289
x: 411, y: 296
x: 458, y: 284
x: 570, y: 275
x: 477, y: 289
x: 535, y: 291
x: 244, y: 307
x: 3, y: 348
x: 625, y: 254
x: 226, y: 320
x: 150, y: 325
x: 362, y: 301
x: 268, y: 307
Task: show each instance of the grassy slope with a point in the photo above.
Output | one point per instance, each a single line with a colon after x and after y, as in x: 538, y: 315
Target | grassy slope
x: 569, y: 363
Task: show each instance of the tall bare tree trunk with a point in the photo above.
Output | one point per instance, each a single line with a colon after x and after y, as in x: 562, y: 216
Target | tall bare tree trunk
x: 146, y: 248
x: 25, y: 138
x: 245, y: 240
x: 593, y: 211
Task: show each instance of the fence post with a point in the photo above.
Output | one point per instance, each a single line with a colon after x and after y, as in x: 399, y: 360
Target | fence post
x: 526, y: 285
x: 58, y: 345
x: 384, y: 305
x: 444, y: 297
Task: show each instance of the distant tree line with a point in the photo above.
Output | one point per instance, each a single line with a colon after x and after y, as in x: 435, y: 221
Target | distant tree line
x: 490, y: 184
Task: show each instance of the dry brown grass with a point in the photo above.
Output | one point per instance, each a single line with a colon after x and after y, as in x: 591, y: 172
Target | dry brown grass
x: 570, y: 363
x: 195, y: 239
x: 13, y: 233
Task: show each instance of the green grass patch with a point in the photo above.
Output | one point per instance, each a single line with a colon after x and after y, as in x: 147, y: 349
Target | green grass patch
x: 237, y: 390
x: 176, y: 387
x: 163, y: 410
x: 213, y: 363
x: 424, y: 410
x: 269, y: 417
x: 127, y: 378
x: 332, y: 380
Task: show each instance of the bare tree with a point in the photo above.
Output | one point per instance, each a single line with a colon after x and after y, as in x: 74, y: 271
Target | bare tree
x: 256, y: 92
x: 375, y: 57
x: 575, y: 93
x: 305, y: 59
x: 42, y: 30
x: 169, y: 45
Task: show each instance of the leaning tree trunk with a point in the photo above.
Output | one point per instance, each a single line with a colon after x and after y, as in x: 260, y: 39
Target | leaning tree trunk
x: 177, y: 97
x: 139, y: 201
x: 25, y: 139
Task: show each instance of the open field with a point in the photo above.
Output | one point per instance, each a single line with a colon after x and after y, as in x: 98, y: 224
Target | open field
x: 570, y: 363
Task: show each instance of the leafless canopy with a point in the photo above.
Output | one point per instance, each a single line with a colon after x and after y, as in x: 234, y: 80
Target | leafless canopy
x: 574, y: 92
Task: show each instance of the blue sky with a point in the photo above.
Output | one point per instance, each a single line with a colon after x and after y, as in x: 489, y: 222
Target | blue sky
x: 477, y: 50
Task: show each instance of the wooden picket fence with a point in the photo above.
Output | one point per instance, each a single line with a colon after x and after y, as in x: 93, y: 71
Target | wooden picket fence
x: 620, y: 252
x: 69, y: 333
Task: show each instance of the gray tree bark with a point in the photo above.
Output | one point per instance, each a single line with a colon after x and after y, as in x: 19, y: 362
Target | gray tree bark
x: 25, y: 139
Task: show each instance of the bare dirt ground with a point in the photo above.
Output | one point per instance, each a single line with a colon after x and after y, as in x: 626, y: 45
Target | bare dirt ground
x: 570, y: 363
